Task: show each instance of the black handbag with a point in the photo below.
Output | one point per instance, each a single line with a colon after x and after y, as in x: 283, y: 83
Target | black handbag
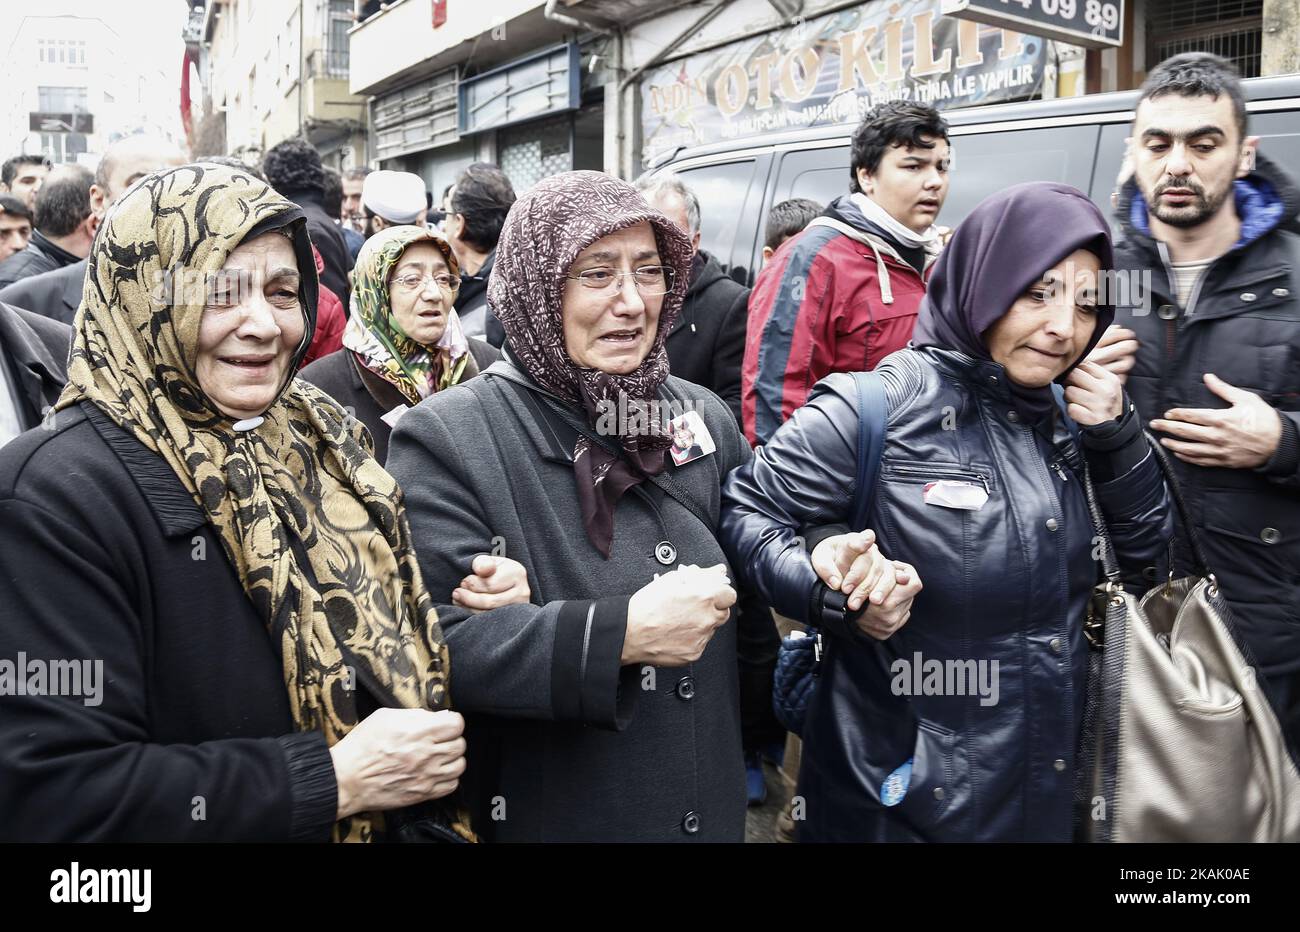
x: 425, y: 823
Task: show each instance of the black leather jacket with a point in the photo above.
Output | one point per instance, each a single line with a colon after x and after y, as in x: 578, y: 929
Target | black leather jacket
x: 992, y: 737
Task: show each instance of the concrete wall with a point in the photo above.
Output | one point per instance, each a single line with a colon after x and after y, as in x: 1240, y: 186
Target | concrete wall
x: 1280, y: 50
x: 402, y: 37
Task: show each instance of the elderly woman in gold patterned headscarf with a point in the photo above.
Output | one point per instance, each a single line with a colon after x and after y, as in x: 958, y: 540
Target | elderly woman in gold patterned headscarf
x: 208, y: 578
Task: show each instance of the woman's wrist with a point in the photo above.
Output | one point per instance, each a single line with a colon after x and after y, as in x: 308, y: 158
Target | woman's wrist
x: 1110, y: 434
x: 342, y: 778
x: 1114, y: 448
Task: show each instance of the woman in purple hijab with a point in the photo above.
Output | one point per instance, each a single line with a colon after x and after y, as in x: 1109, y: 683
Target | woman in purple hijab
x: 948, y: 708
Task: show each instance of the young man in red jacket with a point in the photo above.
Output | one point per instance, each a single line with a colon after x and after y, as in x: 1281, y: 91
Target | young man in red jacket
x: 843, y: 295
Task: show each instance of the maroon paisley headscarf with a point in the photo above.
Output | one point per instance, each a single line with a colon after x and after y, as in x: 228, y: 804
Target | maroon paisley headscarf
x: 544, y: 232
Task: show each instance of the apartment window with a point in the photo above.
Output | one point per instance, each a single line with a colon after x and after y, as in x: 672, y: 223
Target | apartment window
x: 1230, y: 28
x: 62, y: 99
x: 292, y: 66
x: 61, y: 51
x: 52, y: 146
x: 336, y: 40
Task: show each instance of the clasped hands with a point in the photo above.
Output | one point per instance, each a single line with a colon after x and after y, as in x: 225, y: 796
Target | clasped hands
x: 884, y: 589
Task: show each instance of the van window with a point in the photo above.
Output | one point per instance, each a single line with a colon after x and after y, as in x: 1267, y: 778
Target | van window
x: 725, y: 191
x: 1110, y: 155
x: 990, y: 162
x: 1279, y: 138
x: 984, y: 164
x: 820, y: 175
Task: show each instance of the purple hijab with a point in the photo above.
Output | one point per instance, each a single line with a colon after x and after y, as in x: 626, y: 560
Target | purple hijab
x: 1005, y: 245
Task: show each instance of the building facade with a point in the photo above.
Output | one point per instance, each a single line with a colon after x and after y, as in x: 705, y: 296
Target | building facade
x: 616, y: 84
x: 70, y: 90
x: 275, y: 69
x: 451, y: 83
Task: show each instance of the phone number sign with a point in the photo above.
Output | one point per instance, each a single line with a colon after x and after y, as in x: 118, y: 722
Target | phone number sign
x: 1089, y: 23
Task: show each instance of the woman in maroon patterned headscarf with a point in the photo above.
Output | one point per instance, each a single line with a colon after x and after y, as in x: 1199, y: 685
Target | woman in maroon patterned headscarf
x: 537, y: 274
x: 557, y: 457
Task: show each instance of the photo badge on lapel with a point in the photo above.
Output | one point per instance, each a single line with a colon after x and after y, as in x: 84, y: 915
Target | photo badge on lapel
x: 691, y: 439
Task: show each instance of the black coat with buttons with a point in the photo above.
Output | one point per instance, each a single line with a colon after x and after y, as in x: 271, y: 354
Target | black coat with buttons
x: 1243, y: 324
x: 368, y: 397
x: 105, y: 558
x: 565, y: 743
x: 707, y: 342
x: 991, y: 739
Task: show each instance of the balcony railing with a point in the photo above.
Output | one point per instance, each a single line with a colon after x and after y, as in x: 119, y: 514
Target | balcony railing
x: 328, y: 63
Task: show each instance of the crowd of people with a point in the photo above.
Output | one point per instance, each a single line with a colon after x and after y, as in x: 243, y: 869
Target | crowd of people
x: 365, y: 518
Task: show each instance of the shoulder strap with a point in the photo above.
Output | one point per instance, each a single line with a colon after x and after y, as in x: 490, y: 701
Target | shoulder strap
x: 873, y: 415
x: 683, y: 496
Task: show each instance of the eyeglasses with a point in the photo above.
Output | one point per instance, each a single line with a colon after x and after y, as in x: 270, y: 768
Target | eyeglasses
x: 649, y: 279
x: 414, y: 281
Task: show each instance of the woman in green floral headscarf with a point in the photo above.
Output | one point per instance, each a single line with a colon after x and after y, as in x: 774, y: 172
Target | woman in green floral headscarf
x: 404, y: 341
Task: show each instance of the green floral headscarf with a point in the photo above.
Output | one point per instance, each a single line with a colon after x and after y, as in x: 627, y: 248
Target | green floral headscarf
x: 416, y: 370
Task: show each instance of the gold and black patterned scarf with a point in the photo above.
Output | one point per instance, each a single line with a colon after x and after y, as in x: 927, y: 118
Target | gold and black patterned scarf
x: 310, y: 521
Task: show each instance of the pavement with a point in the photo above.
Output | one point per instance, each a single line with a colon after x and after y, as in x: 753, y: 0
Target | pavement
x: 760, y: 821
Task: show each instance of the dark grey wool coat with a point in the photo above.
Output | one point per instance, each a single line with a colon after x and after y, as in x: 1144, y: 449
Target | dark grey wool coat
x: 564, y: 743
x: 342, y: 376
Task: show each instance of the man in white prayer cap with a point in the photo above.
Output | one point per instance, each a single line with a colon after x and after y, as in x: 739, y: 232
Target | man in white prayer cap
x: 391, y: 198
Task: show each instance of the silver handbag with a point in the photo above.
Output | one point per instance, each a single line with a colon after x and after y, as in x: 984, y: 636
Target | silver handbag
x: 1179, y: 740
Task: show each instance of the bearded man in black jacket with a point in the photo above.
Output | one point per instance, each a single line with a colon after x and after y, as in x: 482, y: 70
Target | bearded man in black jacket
x: 1211, y: 348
